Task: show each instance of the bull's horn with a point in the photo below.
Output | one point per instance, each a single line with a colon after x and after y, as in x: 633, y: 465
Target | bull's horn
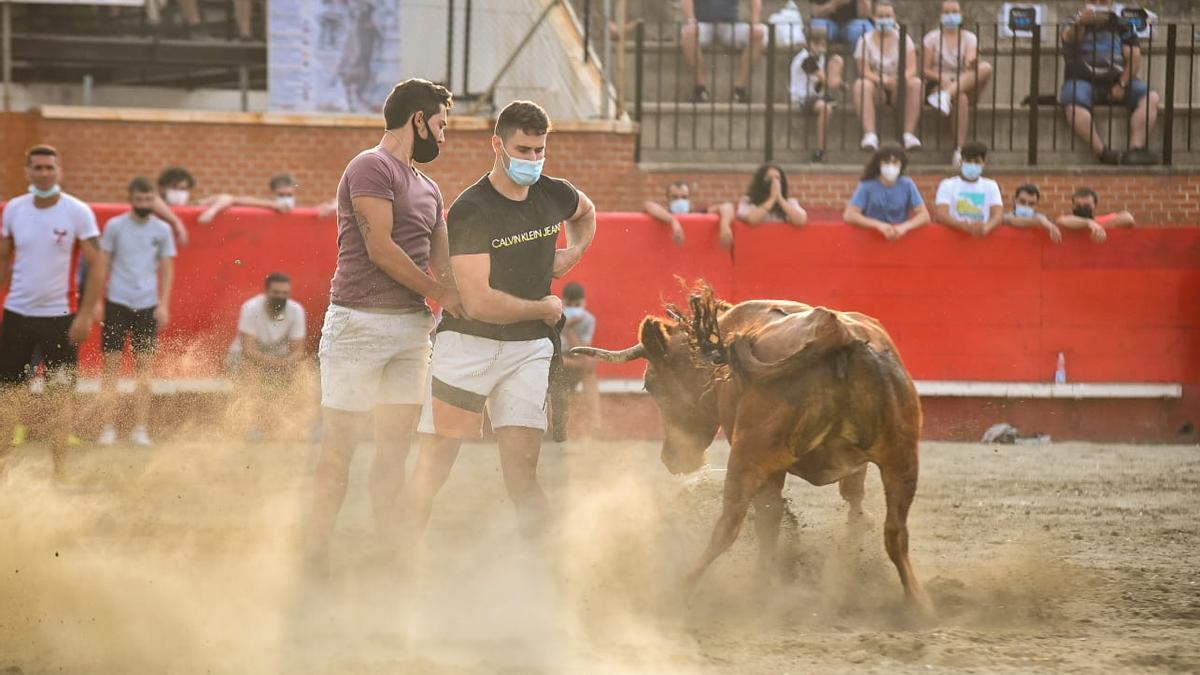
x: 623, y: 356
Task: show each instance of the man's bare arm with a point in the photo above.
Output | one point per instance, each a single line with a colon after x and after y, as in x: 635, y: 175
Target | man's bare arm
x: 373, y: 217
x: 162, y: 210
x: 484, y: 303
x: 581, y: 230
x: 6, y: 256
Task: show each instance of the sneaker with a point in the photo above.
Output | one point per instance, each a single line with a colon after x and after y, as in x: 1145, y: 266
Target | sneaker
x: 700, y: 94
x: 740, y: 95
x: 932, y: 99
x: 819, y: 156
x: 139, y: 436
x: 20, y: 435
x: 911, y: 142
x: 956, y: 158
x: 108, y: 436
x: 1109, y: 156
x: 943, y: 103
x: 870, y: 142
x: 1139, y: 157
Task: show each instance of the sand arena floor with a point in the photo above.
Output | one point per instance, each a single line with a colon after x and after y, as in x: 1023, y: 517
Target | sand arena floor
x: 182, y: 559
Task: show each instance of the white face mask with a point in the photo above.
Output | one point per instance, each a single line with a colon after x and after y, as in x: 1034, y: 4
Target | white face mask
x: 176, y: 197
x: 572, y: 312
x: 890, y: 172
x: 287, y: 202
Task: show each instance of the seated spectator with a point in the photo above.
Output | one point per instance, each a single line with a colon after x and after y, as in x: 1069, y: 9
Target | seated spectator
x: 1025, y: 213
x: 174, y: 189
x: 704, y: 19
x: 954, y: 73
x: 814, y: 76
x: 1084, y: 203
x: 877, y: 55
x: 283, y: 199
x: 1102, y: 62
x: 970, y: 202
x: 767, y: 199
x: 679, y: 203
x: 579, y: 331
x: 886, y: 200
x: 842, y: 20
x: 268, y: 351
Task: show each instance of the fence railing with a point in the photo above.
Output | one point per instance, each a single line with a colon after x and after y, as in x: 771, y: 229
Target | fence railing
x: 1014, y: 107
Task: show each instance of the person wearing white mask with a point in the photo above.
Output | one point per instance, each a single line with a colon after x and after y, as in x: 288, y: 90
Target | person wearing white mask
x: 877, y: 55
x: 886, y: 200
x: 1025, y: 213
x: 970, y: 202
x: 579, y: 330
x: 504, y: 233
x: 282, y: 199
x: 680, y: 203
x: 954, y: 73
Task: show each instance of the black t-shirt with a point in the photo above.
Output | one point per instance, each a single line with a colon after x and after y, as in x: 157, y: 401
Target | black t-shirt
x: 843, y: 14
x: 519, y: 237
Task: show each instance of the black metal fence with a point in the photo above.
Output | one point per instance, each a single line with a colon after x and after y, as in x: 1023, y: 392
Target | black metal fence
x: 1017, y: 112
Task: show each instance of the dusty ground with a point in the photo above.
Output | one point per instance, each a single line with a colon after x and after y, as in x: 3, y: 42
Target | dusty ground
x: 1064, y: 558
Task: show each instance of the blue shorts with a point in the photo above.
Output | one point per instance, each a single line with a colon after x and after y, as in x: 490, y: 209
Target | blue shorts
x: 1085, y: 94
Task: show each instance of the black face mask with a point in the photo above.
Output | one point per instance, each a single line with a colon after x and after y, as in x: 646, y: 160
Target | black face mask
x: 425, y: 150
x: 1084, y: 211
x: 276, y: 304
x: 142, y: 213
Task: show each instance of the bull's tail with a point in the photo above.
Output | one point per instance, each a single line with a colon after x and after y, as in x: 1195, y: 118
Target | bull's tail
x: 827, y: 337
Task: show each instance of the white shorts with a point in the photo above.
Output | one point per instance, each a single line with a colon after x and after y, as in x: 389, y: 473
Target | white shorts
x: 510, y: 377
x: 370, y: 359
x: 734, y: 34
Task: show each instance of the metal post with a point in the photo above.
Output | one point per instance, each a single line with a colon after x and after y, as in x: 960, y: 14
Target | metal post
x: 244, y: 87
x: 607, y: 70
x: 587, y: 28
x: 86, y: 97
x: 1035, y: 60
x: 620, y: 84
x: 450, y: 45
x: 6, y: 9
x: 769, y: 141
x: 1169, y: 113
x: 467, y: 48
x: 640, y: 48
x: 901, y: 78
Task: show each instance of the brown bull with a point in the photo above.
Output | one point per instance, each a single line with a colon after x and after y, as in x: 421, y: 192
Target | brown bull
x: 797, y: 389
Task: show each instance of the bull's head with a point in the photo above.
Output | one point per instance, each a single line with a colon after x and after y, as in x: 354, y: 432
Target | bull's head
x: 678, y: 381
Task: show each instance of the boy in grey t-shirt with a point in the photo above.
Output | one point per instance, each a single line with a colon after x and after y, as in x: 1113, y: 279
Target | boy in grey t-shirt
x: 139, y: 249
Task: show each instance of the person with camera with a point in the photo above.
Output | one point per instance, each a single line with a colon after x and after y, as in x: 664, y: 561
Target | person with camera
x: 814, y: 76
x: 1102, y: 61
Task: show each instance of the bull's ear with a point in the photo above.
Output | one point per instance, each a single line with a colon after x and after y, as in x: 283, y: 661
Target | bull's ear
x: 654, y: 338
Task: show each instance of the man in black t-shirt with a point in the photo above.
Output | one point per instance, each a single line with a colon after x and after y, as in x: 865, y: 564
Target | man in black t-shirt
x: 504, y: 233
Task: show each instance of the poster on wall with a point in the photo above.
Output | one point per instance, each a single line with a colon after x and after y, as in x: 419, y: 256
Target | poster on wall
x: 332, y: 56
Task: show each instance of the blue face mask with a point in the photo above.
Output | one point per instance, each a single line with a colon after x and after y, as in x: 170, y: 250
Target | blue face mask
x: 971, y: 170
x: 885, y: 24
x: 45, y: 194
x: 1022, y: 211
x: 952, y: 20
x: 523, y: 172
x: 680, y: 206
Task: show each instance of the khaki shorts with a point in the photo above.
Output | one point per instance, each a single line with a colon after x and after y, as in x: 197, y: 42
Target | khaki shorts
x: 370, y: 359
x: 510, y: 378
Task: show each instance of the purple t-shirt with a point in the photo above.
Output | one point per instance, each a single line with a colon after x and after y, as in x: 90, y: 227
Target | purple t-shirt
x: 416, y: 210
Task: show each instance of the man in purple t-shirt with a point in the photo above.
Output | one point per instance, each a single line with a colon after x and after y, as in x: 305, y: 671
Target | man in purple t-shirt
x: 375, y: 348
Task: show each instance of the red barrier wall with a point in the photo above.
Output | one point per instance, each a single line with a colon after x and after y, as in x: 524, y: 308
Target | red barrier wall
x: 999, y: 308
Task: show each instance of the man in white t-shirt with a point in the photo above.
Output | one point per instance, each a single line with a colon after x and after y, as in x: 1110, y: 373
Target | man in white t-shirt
x: 970, y: 202
x: 38, y: 238
x: 269, y: 347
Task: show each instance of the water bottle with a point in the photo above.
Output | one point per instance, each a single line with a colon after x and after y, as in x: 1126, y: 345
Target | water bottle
x: 1060, y: 370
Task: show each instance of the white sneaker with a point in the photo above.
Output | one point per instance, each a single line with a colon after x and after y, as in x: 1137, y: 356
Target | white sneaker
x: 911, y: 142
x: 956, y: 159
x: 932, y: 99
x: 943, y: 103
x: 108, y: 435
x: 870, y: 142
x: 139, y: 436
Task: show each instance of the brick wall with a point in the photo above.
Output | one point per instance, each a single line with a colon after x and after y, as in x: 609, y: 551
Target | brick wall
x: 101, y: 155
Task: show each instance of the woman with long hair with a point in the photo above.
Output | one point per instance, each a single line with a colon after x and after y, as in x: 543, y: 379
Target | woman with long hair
x: 767, y: 199
x: 887, y: 201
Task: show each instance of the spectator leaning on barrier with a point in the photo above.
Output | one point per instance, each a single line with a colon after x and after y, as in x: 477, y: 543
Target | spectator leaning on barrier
x: 954, y: 74
x: 282, y: 200
x: 1102, y: 62
x: 842, y: 20
x: 814, y: 75
x: 1025, y: 213
x: 578, y: 331
x: 767, y: 199
x: 679, y: 203
x: 1083, y: 215
x: 174, y: 189
x: 704, y: 20
x: 138, y: 250
x: 970, y: 202
x: 877, y: 56
x: 886, y: 200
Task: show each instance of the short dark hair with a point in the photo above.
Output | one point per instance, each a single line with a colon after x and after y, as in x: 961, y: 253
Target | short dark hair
x: 1087, y: 192
x: 39, y: 150
x: 678, y: 184
x: 525, y: 116
x: 175, y: 174
x: 277, y: 278
x: 573, y: 291
x: 141, y: 185
x: 974, y: 150
x: 281, y: 180
x: 411, y: 96
x: 1029, y: 189
x: 885, y: 151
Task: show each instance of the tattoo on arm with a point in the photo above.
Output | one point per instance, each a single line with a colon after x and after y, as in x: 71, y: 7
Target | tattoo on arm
x: 363, y: 226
